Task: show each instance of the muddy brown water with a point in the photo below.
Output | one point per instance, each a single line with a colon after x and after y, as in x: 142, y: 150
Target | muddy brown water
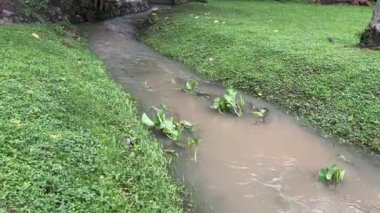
x: 242, y: 166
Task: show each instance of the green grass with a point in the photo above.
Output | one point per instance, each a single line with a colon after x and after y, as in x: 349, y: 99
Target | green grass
x: 282, y: 50
x: 62, y: 126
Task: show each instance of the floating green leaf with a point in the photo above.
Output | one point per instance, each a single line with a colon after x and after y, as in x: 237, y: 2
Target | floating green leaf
x: 147, y: 121
x: 331, y: 175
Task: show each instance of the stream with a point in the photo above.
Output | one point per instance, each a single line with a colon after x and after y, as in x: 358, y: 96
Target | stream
x: 241, y: 166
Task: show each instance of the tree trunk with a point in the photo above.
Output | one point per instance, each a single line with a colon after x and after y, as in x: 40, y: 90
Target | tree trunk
x: 371, y: 36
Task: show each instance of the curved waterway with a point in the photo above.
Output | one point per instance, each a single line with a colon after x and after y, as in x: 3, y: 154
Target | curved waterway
x: 241, y: 166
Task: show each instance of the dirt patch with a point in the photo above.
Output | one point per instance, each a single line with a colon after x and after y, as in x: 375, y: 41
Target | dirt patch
x: 8, y: 5
x: 10, y: 12
x: 71, y: 10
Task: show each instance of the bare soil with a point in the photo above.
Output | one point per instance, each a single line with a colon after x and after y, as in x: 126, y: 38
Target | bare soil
x: 9, y: 5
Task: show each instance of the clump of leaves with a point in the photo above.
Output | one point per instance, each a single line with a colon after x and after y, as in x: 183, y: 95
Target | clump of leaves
x: 154, y: 20
x: 260, y: 113
x: 229, y: 103
x: 191, y: 86
x: 331, y: 175
x: 170, y: 127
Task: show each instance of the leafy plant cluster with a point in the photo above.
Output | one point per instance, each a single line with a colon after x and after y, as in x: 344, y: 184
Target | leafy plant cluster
x: 170, y: 127
x: 191, y: 86
x: 229, y: 103
x: 331, y: 175
x: 34, y: 8
x: 174, y: 130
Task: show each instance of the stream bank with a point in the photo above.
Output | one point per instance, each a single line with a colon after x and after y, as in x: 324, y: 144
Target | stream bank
x: 269, y: 167
x: 66, y: 131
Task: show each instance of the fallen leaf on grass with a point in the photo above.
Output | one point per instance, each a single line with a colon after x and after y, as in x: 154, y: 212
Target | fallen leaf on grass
x: 35, y: 35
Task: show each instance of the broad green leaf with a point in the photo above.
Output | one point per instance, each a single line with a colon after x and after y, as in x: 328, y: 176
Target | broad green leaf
x: 258, y: 114
x: 216, y: 103
x: 147, y: 121
x: 331, y: 175
x: 191, y: 85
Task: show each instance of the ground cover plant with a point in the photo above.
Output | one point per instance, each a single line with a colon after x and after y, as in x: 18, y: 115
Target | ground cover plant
x: 303, y: 57
x: 62, y: 127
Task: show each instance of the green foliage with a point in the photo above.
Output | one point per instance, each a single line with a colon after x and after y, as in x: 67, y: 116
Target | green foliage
x: 62, y: 123
x: 260, y: 114
x: 170, y: 127
x: 330, y: 86
x: 194, y: 143
x: 331, y: 175
x: 229, y: 103
x: 34, y: 8
x: 191, y: 86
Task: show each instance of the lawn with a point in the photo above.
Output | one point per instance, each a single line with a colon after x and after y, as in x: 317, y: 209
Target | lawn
x: 302, y: 57
x: 62, y: 127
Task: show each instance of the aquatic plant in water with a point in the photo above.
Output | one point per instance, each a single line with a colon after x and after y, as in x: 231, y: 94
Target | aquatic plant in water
x: 260, y: 113
x: 193, y: 144
x: 191, y: 86
x: 229, y: 103
x: 331, y: 175
x: 170, y: 127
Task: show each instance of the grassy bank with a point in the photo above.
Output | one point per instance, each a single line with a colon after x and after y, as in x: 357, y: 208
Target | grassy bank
x: 62, y: 126
x: 299, y: 56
